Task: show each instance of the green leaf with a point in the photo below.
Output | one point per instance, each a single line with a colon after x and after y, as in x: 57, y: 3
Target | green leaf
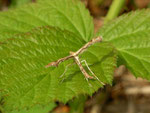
x: 130, y: 34
x: 66, y: 14
x: 24, y: 79
x: 37, y: 109
x: 15, y: 3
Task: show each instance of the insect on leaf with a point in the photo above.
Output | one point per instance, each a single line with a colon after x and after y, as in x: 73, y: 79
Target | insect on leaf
x: 24, y: 79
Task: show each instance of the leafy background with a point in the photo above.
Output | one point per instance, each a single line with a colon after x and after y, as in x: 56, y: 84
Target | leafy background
x: 26, y: 50
x: 69, y: 15
x: 24, y: 78
x: 130, y: 36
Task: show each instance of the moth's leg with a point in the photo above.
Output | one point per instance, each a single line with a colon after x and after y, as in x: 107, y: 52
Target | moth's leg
x: 92, y: 72
x: 62, y: 80
x: 78, y: 62
x: 65, y: 72
x: 66, y: 68
x: 88, y: 82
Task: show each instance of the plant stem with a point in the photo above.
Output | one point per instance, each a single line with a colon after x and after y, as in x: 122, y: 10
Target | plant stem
x: 114, y: 10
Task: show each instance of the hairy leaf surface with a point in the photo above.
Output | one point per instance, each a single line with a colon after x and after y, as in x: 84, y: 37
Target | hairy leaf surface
x: 66, y: 14
x: 37, y: 109
x: 130, y: 34
x: 33, y: 109
x: 16, y: 3
x: 25, y: 80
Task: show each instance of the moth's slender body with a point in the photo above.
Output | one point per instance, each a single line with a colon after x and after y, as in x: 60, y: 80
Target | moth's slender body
x: 76, y: 58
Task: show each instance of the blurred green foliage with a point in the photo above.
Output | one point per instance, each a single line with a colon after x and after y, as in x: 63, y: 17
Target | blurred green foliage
x: 15, y: 3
